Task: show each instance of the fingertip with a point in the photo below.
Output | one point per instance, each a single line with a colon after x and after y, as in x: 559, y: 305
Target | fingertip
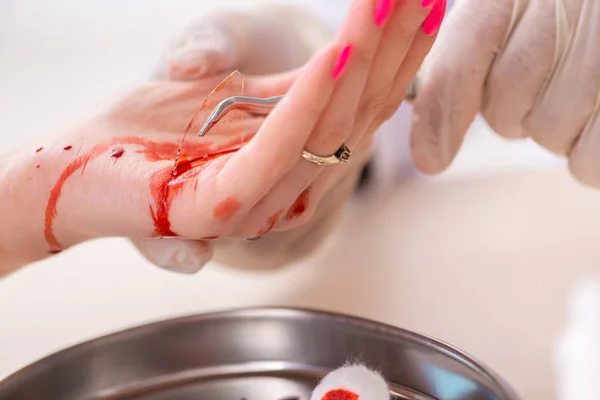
x: 425, y: 141
x: 422, y: 157
x: 176, y: 255
x: 443, y: 112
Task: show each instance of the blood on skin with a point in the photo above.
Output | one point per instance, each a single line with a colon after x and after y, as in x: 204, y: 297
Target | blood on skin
x: 271, y: 222
x: 164, y: 185
x: 340, y: 394
x: 117, y: 152
x: 225, y: 209
x: 67, y: 148
x: 210, y: 238
x: 299, y: 206
x: 39, y: 149
x: 163, y: 189
x: 73, y: 166
x: 231, y: 81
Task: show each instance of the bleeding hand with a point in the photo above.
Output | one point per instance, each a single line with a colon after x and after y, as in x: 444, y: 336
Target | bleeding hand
x: 531, y: 67
x: 113, y: 176
x: 212, y: 38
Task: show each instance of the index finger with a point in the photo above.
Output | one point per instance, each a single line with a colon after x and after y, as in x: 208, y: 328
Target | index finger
x: 278, y: 145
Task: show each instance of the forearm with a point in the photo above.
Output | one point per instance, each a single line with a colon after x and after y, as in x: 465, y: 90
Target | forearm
x: 15, y: 225
x: 27, y: 177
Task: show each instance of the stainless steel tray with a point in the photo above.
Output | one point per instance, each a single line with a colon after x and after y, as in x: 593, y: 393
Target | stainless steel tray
x: 251, y: 354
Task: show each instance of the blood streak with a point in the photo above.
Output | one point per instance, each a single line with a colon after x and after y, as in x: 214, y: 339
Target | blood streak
x: 299, y: 206
x: 271, y: 222
x: 163, y: 189
x: 210, y: 238
x: 73, y: 166
x: 225, y: 209
x: 165, y: 185
x: 340, y: 394
x: 190, y: 160
x: 152, y: 151
x: 67, y: 148
x: 39, y: 149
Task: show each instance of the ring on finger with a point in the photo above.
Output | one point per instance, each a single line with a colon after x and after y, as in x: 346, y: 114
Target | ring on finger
x: 342, y: 155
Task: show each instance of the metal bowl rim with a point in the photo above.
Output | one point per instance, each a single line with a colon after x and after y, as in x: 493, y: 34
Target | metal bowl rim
x: 244, y: 312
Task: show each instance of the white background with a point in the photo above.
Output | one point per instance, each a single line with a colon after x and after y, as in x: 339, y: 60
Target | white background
x: 441, y: 256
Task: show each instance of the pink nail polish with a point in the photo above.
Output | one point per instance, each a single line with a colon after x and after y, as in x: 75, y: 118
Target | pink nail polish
x: 432, y: 23
x: 427, y: 3
x: 341, y: 62
x: 382, y: 12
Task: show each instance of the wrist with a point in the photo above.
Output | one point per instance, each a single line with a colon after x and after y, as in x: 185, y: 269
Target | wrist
x: 27, y: 177
x: 16, y: 224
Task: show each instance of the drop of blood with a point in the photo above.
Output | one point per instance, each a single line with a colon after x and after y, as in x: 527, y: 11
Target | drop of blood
x: 117, y: 152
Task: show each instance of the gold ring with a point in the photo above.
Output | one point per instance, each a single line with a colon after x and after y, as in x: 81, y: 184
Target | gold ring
x: 342, y: 155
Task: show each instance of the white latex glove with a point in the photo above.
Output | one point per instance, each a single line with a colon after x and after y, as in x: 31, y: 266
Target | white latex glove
x: 531, y: 67
x: 257, y: 38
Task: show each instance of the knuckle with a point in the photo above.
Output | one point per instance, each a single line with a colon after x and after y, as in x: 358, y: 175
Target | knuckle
x: 332, y: 140
x: 374, y: 104
x: 362, y: 57
x: 328, y: 139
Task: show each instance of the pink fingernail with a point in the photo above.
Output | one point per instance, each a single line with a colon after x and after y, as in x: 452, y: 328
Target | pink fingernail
x: 382, y: 12
x: 432, y: 23
x: 341, y: 62
x: 427, y: 3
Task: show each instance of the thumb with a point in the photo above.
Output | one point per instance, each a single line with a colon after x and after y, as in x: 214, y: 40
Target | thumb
x: 177, y: 255
x: 453, y: 77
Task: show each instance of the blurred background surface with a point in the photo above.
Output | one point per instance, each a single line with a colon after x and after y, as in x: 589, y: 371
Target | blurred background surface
x: 480, y: 256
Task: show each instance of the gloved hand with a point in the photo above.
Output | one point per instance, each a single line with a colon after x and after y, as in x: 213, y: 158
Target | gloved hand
x: 273, y: 37
x: 531, y: 67
x: 258, y: 38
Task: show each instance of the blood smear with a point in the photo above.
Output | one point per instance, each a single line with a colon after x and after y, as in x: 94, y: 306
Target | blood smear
x: 352, y: 382
x: 228, y: 134
x: 340, y: 394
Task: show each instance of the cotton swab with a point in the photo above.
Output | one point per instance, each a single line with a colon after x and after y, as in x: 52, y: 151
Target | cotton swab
x: 352, y: 382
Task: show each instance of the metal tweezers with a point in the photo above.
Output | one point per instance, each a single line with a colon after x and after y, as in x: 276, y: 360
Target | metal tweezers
x: 262, y: 106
